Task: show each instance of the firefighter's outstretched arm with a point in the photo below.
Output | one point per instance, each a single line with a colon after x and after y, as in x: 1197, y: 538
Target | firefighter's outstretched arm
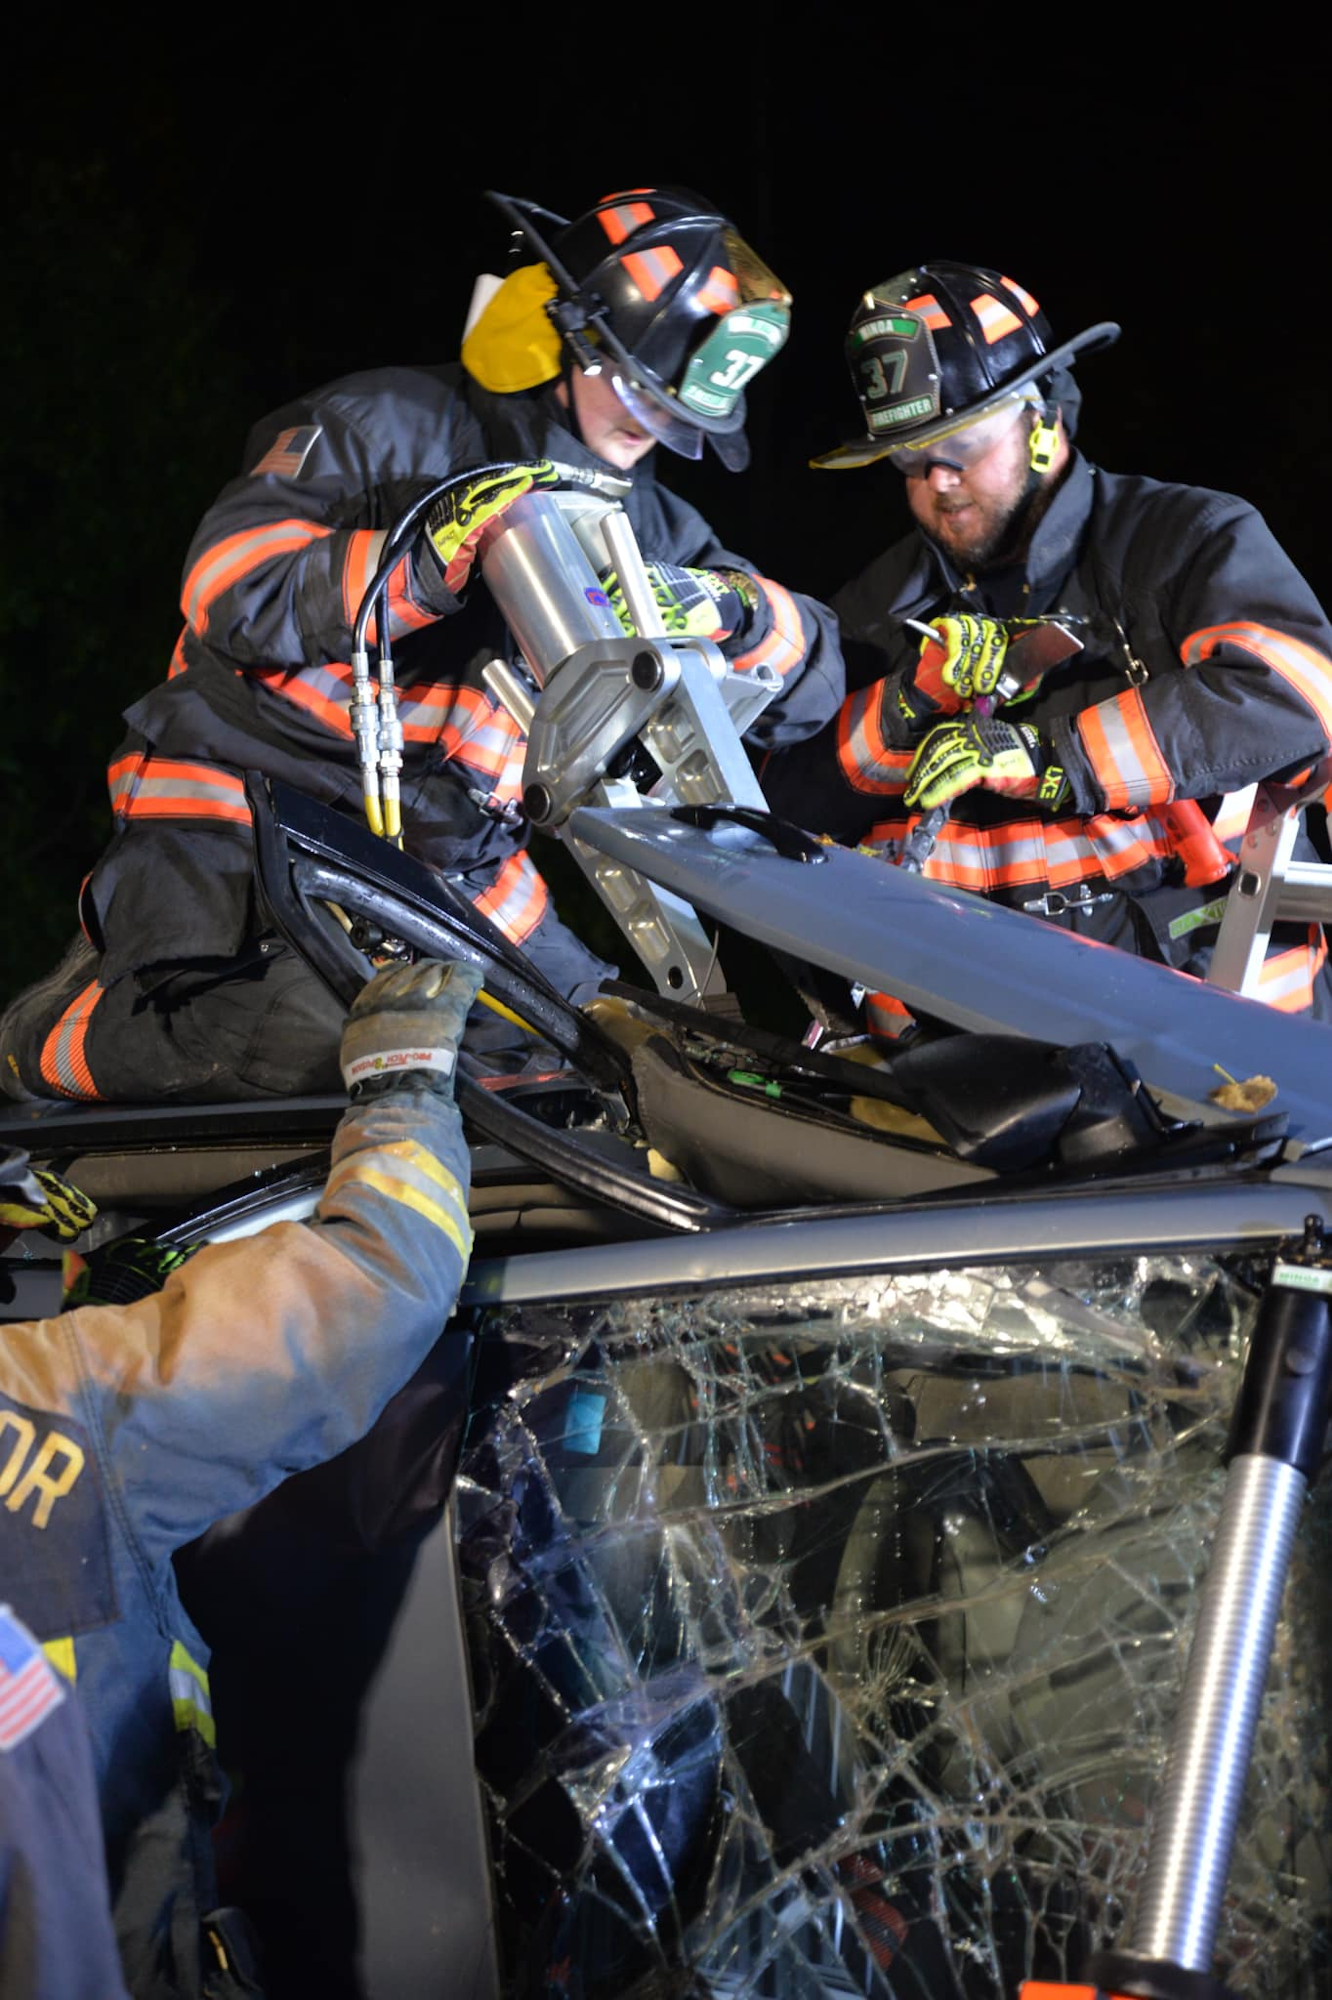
x: 263, y: 1356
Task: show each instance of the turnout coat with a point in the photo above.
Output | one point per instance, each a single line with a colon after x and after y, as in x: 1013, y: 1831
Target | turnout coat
x: 261, y: 675
x: 1207, y: 665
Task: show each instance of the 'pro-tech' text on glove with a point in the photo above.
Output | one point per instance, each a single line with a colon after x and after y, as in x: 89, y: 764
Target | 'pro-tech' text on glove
x: 693, y: 603
x: 981, y: 750
x: 405, y: 1026
x: 454, y: 525
x: 965, y: 660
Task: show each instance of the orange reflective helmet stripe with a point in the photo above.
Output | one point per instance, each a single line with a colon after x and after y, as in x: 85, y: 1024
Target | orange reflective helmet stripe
x: 652, y: 270
x: 1300, y: 665
x: 721, y: 291
x: 625, y: 217
x: 1029, y: 304
x: 995, y: 317
x: 929, y: 310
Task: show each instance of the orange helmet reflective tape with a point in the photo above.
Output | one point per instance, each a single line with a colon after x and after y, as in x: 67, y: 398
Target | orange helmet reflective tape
x: 652, y: 270
x: 721, y: 291
x: 621, y: 220
x: 1029, y: 304
x: 995, y: 318
x: 929, y: 309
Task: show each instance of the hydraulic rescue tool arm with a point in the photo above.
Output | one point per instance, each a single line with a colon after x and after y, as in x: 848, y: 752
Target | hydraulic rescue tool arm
x: 619, y: 719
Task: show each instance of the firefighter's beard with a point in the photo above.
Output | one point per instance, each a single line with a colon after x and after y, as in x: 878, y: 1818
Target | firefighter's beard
x: 977, y: 533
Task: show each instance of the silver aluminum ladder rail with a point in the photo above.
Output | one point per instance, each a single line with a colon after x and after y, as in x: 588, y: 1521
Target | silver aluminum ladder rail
x: 1269, y: 887
x: 602, y: 691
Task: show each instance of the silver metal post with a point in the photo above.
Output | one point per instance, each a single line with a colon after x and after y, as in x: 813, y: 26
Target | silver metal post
x: 626, y: 557
x: 1193, y: 1829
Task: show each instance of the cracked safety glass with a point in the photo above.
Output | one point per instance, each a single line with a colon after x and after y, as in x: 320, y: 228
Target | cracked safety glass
x: 825, y: 1637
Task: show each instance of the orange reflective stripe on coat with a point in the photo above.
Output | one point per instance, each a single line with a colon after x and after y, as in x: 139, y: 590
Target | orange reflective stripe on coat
x: 1300, y: 665
x: 364, y: 549
x: 1286, y: 979
x: 228, y: 561
x: 64, y: 1064
x: 146, y: 787
x: 1034, y: 853
x: 1123, y: 752
x: 866, y: 759
x: 516, y: 900
x: 464, y: 721
x: 783, y: 647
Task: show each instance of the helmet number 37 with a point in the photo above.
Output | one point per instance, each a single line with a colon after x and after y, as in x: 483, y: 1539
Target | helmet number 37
x: 740, y: 368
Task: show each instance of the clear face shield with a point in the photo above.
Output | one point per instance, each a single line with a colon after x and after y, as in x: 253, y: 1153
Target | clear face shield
x: 753, y: 320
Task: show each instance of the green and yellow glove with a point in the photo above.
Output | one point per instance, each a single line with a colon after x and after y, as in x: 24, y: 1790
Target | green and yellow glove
x: 981, y: 750
x: 694, y: 603
x: 455, y: 523
x: 34, y: 1198
x: 964, y: 661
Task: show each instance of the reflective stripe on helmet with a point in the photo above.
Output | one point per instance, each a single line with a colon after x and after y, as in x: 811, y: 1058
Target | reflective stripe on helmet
x: 995, y: 318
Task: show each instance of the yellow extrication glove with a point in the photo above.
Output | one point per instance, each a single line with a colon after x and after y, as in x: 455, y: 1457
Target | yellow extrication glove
x: 35, y: 1198
x: 693, y: 603
x: 964, y: 660
x: 976, y: 750
x: 454, y: 525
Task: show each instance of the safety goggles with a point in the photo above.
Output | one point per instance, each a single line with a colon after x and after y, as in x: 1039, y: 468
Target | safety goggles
x: 966, y: 443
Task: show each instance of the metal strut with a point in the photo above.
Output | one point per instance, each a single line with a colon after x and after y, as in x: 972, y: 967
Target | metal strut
x: 1274, y: 1451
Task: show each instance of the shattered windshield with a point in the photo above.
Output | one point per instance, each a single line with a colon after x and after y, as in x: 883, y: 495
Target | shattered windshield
x: 824, y: 1637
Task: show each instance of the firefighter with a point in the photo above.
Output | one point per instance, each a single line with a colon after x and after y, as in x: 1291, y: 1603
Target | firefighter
x: 127, y: 1430
x: 659, y: 317
x: 1102, y: 798
x: 56, y: 1941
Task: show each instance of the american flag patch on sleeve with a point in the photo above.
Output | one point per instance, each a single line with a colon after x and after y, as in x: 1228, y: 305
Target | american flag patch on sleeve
x: 288, y: 452
x: 29, y: 1687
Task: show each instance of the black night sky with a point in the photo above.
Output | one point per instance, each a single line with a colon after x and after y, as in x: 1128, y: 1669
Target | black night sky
x: 220, y: 228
